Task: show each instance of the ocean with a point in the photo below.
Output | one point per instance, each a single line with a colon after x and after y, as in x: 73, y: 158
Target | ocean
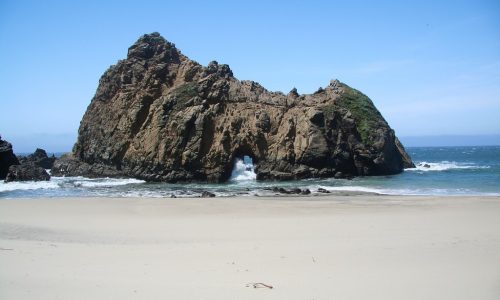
x: 439, y: 171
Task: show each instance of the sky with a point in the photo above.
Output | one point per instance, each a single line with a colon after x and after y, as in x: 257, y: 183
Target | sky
x: 431, y: 67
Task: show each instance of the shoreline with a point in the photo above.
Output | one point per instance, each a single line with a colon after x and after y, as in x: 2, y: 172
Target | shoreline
x: 336, y: 194
x: 326, y: 247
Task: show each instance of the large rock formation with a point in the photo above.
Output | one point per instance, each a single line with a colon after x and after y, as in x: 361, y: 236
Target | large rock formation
x: 7, y: 158
x: 160, y: 116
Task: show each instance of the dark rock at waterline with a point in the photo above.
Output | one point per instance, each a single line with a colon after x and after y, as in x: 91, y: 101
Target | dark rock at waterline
x: 159, y: 116
x: 295, y: 191
x: 274, y: 189
x: 39, y: 158
x: 27, y: 168
x: 322, y: 190
x: 207, y: 194
x: 27, y: 172
x: 7, y: 158
x: 279, y: 190
x: 305, y: 192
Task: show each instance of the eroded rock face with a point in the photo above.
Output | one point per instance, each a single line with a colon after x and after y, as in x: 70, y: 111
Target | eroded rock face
x: 160, y: 116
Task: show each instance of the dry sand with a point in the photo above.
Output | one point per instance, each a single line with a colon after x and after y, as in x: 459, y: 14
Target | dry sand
x: 343, y: 247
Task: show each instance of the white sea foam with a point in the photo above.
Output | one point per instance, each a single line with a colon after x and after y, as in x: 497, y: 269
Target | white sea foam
x: 404, y: 191
x: 243, y: 170
x: 104, y: 182
x: 71, y: 182
x: 27, y: 185
x: 362, y: 189
x: 443, y: 166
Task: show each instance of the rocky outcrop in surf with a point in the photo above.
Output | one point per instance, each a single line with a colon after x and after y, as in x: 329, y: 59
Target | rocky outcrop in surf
x: 7, y: 158
x: 39, y: 158
x: 31, y: 167
x: 159, y: 116
x: 28, y: 171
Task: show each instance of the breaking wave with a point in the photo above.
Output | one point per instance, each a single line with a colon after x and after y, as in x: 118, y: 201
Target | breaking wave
x: 27, y: 185
x: 444, y: 166
x: 101, y: 182
x: 66, y: 182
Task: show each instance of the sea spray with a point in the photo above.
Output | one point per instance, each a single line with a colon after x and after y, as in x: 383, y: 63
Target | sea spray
x: 243, y: 170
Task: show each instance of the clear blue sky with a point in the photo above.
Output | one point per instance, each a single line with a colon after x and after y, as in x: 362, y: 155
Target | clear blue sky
x: 431, y: 67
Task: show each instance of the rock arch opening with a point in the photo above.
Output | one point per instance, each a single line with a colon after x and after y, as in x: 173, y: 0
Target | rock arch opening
x: 243, y: 169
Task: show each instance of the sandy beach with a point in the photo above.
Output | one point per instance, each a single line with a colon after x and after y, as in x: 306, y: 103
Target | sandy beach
x: 332, y: 247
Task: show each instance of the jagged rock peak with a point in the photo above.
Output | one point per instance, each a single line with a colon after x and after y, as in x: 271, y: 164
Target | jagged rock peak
x: 160, y: 116
x: 39, y: 158
x: 149, y: 45
x: 221, y: 70
x: 293, y: 93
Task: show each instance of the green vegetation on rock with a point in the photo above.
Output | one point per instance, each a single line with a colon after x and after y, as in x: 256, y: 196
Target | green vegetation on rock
x: 329, y: 111
x: 366, y: 115
x: 186, y: 91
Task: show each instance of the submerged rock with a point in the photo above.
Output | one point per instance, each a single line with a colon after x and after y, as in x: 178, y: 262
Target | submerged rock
x: 295, y: 191
x: 207, y: 194
x: 159, y: 116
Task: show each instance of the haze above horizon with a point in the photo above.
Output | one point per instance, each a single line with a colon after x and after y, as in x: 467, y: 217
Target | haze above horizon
x: 431, y: 67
